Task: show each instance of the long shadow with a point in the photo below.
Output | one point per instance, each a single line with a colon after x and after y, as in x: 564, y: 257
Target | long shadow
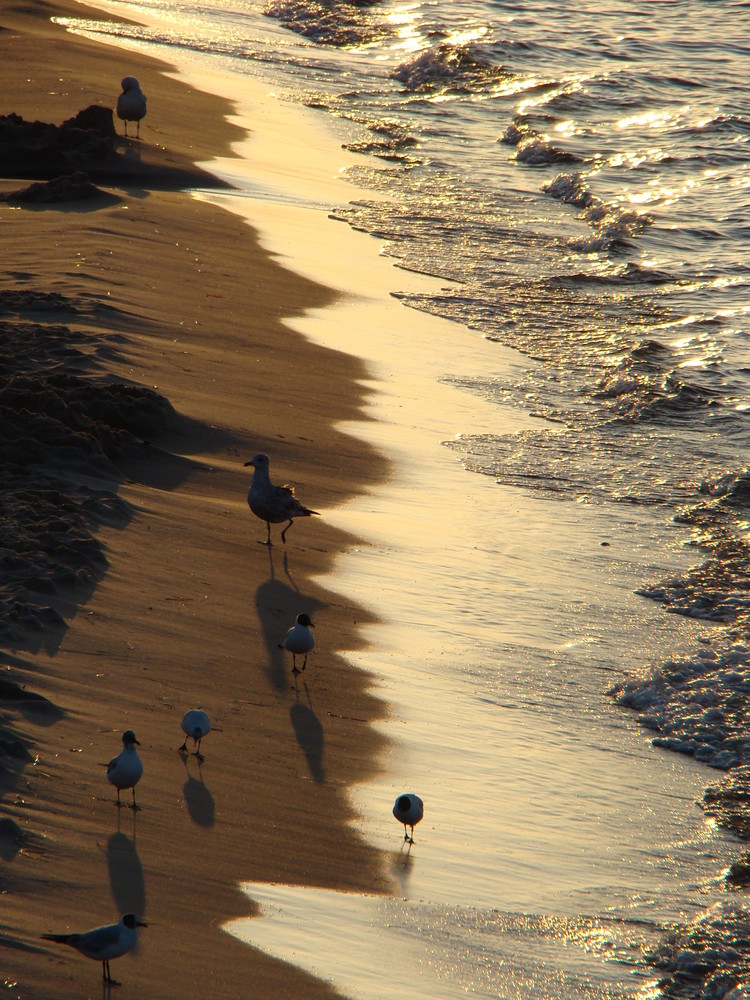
x: 278, y: 603
x: 126, y: 872
x: 199, y: 801
x: 309, y: 732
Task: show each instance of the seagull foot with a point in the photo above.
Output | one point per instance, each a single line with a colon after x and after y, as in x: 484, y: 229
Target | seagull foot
x: 200, y: 756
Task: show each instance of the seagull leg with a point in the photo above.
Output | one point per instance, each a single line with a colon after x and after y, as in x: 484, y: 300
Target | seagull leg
x: 268, y: 537
x: 197, y: 753
x: 119, y: 804
x: 133, y: 805
x: 107, y: 975
x: 138, y: 130
x: 283, y: 533
x: 183, y: 748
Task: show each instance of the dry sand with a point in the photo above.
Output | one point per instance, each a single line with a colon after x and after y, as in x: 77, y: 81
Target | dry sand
x: 136, y: 587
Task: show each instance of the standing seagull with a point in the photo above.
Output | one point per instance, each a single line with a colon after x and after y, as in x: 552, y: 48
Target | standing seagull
x: 299, y: 639
x: 272, y: 504
x: 409, y: 810
x: 195, y: 724
x: 131, y: 104
x: 125, y: 770
x: 104, y: 943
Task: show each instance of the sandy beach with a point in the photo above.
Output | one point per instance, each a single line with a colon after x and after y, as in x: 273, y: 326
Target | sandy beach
x: 168, y: 312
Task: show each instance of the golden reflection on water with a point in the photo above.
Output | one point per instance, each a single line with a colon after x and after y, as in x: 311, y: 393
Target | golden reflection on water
x: 652, y: 119
x: 404, y: 20
x: 467, y: 36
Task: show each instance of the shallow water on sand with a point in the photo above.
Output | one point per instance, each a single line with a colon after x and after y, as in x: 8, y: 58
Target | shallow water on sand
x: 556, y: 839
x: 549, y: 819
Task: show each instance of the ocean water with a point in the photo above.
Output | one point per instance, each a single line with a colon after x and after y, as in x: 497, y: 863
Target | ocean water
x: 563, y: 550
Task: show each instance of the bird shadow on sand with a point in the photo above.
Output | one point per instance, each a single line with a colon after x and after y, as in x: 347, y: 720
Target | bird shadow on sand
x: 278, y: 603
x: 125, y: 871
x: 10, y: 942
x: 309, y: 733
x: 199, y: 801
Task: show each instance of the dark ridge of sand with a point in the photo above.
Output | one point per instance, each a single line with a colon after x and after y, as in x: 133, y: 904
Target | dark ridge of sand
x: 144, y: 356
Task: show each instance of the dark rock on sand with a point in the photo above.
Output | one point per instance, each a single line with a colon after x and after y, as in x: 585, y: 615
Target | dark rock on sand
x: 41, y: 150
x: 16, y: 300
x: 71, y: 187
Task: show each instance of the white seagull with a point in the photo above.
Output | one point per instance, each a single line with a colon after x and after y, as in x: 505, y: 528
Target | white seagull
x: 409, y: 810
x: 272, y: 504
x: 131, y: 104
x: 299, y: 639
x: 104, y: 943
x: 195, y: 724
x: 125, y: 770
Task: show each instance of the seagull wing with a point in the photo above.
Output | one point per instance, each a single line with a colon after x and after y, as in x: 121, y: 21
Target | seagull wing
x: 101, y: 942
x: 284, y: 496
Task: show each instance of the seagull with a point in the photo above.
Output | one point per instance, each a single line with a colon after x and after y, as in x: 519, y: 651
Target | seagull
x: 299, y: 639
x: 196, y: 724
x: 125, y: 770
x: 131, y: 104
x: 104, y: 943
x: 409, y: 810
x: 272, y: 504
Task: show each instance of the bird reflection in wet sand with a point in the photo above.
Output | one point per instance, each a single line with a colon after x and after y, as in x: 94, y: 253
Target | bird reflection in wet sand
x: 401, y: 865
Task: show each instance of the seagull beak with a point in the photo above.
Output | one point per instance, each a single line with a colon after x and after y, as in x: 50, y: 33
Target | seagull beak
x: 140, y: 923
x: 248, y: 463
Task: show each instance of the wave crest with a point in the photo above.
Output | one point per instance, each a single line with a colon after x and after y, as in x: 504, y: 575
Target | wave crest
x: 456, y: 68
x: 328, y: 22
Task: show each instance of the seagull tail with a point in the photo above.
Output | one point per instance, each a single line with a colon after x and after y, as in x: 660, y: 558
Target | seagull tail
x: 58, y: 938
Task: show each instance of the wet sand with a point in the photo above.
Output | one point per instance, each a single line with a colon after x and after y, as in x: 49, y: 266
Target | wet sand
x: 157, y: 326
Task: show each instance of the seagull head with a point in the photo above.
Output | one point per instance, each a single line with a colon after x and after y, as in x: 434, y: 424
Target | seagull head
x: 260, y: 461
x: 128, y: 738
x: 304, y: 619
x: 130, y: 83
x: 131, y: 921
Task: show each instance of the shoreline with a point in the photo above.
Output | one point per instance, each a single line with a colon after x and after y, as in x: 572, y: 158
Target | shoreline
x: 177, y: 588
x: 381, y: 520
